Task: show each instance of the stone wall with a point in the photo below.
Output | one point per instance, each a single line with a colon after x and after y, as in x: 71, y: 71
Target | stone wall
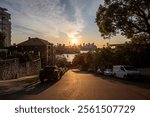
x: 29, y: 68
x: 9, y: 69
x: 12, y: 69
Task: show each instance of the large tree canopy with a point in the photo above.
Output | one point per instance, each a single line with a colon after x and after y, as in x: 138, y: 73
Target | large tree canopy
x: 128, y: 17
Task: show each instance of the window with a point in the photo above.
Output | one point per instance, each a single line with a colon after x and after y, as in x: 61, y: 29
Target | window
x: 122, y: 69
x: 130, y: 68
x: 0, y: 19
x: 49, y: 47
x: 0, y: 27
x: 0, y: 23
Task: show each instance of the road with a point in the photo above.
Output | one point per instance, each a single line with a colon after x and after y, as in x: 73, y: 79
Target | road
x: 77, y: 85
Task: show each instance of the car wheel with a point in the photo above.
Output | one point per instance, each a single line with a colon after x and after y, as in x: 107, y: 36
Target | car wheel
x: 42, y: 80
x: 56, y: 78
x: 115, y: 75
x: 41, y: 77
x: 125, y: 77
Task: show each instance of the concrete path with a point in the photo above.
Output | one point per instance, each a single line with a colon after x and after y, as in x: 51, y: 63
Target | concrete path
x: 14, y: 85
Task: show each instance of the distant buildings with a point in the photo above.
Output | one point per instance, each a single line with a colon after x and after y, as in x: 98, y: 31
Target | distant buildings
x: 116, y: 45
x: 88, y: 47
x: 63, y: 49
x: 5, y: 27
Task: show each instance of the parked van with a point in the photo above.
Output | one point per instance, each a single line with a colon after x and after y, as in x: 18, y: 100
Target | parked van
x: 122, y: 71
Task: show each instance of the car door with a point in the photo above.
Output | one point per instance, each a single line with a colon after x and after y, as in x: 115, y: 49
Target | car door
x: 122, y: 72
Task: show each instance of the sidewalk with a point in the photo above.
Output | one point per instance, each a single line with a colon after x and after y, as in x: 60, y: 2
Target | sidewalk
x: 14, y: 85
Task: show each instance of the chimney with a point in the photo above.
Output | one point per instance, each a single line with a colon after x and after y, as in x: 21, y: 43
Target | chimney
x: 29, y: 38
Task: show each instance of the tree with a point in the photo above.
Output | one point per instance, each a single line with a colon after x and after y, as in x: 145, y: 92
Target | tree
x: 106, y: 58
x: 79, y: 60
x: 84, y: 61
x: 2, y: 37
x: 128, y: 17
x: 61, y: 61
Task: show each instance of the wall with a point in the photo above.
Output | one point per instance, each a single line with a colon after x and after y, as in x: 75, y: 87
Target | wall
x: 8, y: 69
x: 12, y: 69
x: 30, y: 68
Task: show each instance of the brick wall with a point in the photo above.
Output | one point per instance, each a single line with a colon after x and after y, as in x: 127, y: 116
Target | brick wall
x: 11, y: 69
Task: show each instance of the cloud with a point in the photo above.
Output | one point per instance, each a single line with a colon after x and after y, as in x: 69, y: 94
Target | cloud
x: 48, y: 18
x: 27, y: 30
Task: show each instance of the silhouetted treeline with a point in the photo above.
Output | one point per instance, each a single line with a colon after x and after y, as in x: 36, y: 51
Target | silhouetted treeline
x: 87, y: 47
x: 134, y: 54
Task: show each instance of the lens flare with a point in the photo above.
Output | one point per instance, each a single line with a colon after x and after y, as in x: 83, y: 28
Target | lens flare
x: 74, y: 41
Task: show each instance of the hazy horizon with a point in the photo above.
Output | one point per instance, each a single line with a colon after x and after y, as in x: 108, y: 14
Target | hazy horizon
x: 58, y: 21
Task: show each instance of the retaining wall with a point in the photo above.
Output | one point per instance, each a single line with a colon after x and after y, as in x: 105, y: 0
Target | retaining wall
x: 12, y: 69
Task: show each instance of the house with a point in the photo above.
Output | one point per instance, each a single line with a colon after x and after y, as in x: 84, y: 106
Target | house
x: 42, y: 48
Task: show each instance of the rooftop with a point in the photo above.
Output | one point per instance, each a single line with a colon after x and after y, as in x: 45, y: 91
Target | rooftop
x: 34, y: 42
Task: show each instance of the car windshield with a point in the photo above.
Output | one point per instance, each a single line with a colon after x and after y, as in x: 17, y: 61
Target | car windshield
x: 130, y: 68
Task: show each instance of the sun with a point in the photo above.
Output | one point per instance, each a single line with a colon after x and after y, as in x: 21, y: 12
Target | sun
x: 74, y: 41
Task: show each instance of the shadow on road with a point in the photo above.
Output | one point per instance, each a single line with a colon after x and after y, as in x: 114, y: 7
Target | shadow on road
x: 38, y: 88
x: 81, y: 72
x: 142, y: 82
x: 29, y: 90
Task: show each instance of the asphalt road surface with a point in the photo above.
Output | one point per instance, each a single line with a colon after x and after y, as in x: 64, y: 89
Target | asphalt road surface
x: 77, y: 85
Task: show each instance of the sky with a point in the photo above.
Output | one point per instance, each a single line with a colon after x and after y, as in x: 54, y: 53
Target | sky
x: 58, y: 21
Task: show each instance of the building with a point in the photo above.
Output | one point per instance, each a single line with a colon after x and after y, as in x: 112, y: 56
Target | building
x: 39, y: 47
x: 5, y: 27
x: 115, y: 45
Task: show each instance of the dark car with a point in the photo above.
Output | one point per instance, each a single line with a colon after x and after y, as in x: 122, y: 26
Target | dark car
x: 49, y: 73
x: 62, y: 71
x: 108, y: 72
x: 99, y: 71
